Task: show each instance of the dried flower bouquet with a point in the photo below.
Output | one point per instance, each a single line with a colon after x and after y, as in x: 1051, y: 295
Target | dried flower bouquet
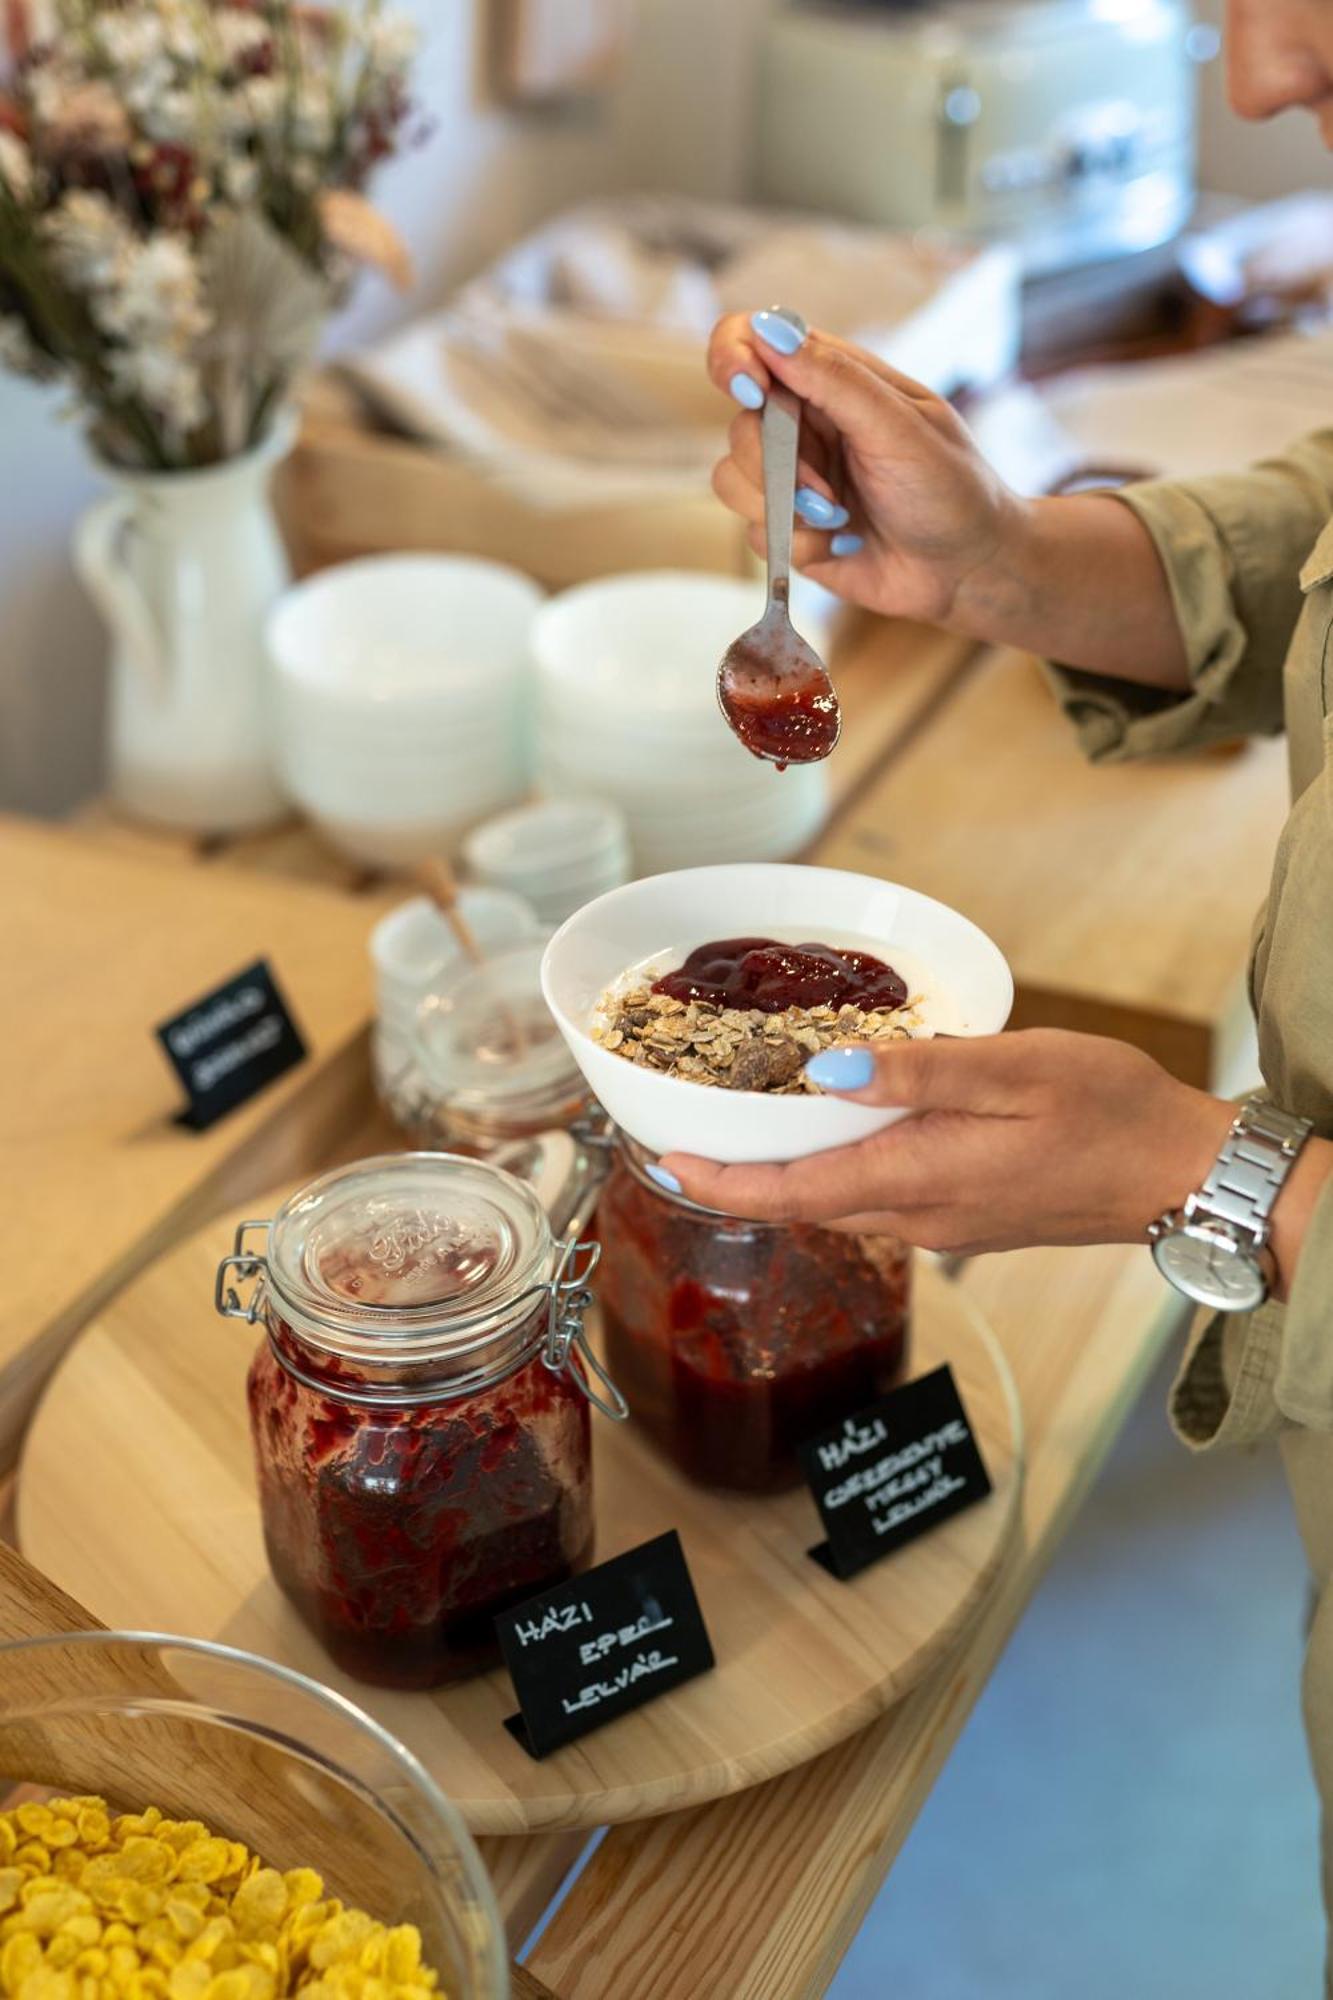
x: 181, y: 202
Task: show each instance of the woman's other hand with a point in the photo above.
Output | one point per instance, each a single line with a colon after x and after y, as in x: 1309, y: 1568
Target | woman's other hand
x: 1038, y: 1136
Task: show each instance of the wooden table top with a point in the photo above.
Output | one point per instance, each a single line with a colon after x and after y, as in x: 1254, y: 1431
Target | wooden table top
x: 948, y: 760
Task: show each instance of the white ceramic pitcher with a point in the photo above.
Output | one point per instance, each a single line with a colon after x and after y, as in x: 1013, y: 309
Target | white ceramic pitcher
x: 185, y: 567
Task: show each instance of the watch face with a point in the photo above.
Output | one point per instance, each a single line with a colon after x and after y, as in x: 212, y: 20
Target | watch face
x: 1211, y: 1268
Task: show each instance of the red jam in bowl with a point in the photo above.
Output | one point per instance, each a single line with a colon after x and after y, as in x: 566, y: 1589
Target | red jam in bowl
x: 734, y: 1341
x: 761, y: 973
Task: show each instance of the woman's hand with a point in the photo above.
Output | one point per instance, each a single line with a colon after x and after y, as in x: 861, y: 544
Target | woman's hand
x: 1033, y: 1137
x: 902, y: 512
x: 898, y: 511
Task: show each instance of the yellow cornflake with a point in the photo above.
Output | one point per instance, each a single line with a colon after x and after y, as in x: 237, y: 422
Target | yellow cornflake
x: 94, y: 1826
x: 205, y: 1860
x: 142, y: 1907
x: 259, y: 1904
x: 19, y: 1956
x: 47, y: 1984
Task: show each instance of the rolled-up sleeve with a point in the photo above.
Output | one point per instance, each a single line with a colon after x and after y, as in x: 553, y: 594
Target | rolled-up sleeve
x: 1232, y: 547
x: 1246, y: 1375
x: 1303, y: 1390
x: 1223, y: 1393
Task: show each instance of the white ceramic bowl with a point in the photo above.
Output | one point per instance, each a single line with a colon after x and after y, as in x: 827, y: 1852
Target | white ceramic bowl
x: 644, y: 645
x: 409, y: 630
x: 668, y: 915
x: 407, y: 741
x: 400, y: 685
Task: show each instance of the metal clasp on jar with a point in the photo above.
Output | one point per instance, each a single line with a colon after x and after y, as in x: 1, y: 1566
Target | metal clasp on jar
x: 241, y: 1264
x: 566, y: 1334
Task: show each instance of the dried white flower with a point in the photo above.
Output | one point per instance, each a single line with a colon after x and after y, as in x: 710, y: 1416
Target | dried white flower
x: 158, y: 299
x: 390, y: 40
x: 181, y: 28
x: 130, y: 38
x: 90, y: 240
x: 88, y: 114
x: 312, y: 113
x: 20, y: 352
x: 48, y: 85
x: 239, y: 35
x: 169, y: 116
x: 260, y: 102
x: 15, y: 165
x: 239, y: 177
x: 163, y: 383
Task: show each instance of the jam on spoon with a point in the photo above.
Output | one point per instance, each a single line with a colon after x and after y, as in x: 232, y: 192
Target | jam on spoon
x: 763, y: 974
x: 774, y: 689
x: 788, y: 719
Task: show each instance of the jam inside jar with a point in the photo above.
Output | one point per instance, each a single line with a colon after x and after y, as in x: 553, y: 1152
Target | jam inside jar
x: 422, y: 1451
x: 734, y: 1341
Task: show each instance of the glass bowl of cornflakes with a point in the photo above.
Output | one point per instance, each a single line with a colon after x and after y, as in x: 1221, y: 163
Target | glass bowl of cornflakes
x: 182, y: 1821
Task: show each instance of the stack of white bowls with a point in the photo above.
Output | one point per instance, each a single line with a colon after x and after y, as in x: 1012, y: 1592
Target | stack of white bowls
x: 558, y: 855
x: 402, y: 687
x: 627, y: 710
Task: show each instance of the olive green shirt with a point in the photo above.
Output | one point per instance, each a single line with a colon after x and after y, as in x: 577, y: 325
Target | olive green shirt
x: 1249, y: 559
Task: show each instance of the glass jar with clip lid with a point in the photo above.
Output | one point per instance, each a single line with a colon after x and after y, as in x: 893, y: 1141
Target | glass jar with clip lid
x: 420, y: 1407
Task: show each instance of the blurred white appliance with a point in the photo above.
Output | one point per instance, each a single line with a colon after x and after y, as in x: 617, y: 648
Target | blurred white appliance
x: 1066, y: 127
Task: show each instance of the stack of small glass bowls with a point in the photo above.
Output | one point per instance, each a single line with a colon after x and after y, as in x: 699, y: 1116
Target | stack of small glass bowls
x: 557, y: 855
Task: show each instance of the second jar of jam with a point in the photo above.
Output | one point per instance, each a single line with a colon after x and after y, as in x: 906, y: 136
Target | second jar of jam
x: 419, y: 1409
x: 734, y: 1341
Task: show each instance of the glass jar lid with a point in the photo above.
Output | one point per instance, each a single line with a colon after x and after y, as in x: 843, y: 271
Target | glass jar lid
x: 409, y: 1244
x: 487, y: 1035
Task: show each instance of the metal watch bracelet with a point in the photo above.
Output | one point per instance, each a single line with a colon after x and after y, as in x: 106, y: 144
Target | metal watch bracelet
x: 1251, y: 1169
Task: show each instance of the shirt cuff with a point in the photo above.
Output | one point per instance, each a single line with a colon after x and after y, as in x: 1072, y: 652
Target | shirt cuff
x: 1223, y: 1393
x: 1234, y: 691
x: 1304, y: 1387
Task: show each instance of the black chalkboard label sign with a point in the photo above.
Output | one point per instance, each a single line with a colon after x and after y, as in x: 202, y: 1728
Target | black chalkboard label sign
x: 228, y: 1045
x: 894, y: 1470
x: 610, y: 1640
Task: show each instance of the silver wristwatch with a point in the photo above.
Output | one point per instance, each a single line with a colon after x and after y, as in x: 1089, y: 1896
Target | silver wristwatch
x: 1215, y: 1249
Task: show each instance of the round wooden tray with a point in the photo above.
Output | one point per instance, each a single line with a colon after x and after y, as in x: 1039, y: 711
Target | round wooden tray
x: 136, y: 1494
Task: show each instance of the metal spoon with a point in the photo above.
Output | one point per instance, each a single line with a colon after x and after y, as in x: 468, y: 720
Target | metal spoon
x: 774, y: 689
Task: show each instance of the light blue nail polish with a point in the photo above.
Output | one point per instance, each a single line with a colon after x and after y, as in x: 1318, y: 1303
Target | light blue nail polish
x: 841, y: 1069
x: 847, y: 545
x: 818, y: 512
x: 662, y: 1177
x: 781, y: 328
x: 747, y: 391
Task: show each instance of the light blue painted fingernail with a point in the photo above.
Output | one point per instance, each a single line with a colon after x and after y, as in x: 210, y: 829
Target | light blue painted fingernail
x: 847, y: 545
x: 662, y: 1177
x: 747, y: 391
x: 781, y: 328
x: 840, y: 1069
x: 819, y: 512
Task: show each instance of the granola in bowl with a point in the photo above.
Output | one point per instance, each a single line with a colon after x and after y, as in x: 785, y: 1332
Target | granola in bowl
x: 734, y: 1031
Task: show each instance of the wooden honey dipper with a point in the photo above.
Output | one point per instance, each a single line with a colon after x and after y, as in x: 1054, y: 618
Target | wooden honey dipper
x: 437, y: 878
x: 440, y: 883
